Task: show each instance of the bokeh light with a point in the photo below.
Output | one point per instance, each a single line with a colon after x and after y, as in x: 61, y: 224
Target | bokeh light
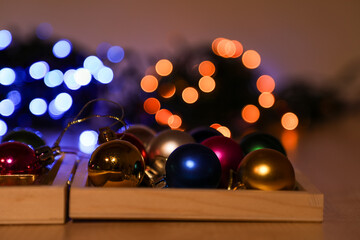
x: 265, y: 83
x: 174, y: 121
x: 54, y: 112
x: 93, y: 64
x: 115, y: 54
x: 82, y: 76
x: 226, y: 48
x: 167, y: 90
x: 290, y: 139
x: 7, y: 76
x: 14, y: 96
x: 54, y: 78
x: 289, y: 121
x: 88, y: 141
x: 266, y: 100
x: 105, y: 75
x: 152, y: 105
x: 38, y: 70
x: 7, y: 107
x: 250, y: 113
x: 215, y: 44
x: 206, y: 68
x: 207, y: 84
x: 225, y: 131
x: 251, y: 59
x: 163, y: 67
x: 62, y: 48
x: 149, y: 83
x: 162, y: 116
x: 44, y: 31
x: 5, y: 39
x: 190, y: 95
x: 38, y: 106
x: 70, y: 80
x: 63, y: 102
x: 239, y: 49
x: 3, y: 128
x: 215, y: 125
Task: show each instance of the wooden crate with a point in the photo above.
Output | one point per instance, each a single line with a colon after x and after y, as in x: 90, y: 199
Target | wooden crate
x: 305, y: 204
x: 44, y: 201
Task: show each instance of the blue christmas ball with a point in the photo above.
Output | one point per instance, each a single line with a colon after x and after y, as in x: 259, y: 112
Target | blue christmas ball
x: 193, y: 166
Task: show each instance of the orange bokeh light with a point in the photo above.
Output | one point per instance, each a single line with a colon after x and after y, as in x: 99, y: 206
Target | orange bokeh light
x: 289, y: 121
x: 251, y: 59
x: 239, y: 49
x: 215, y: 125
x: 250, y: 113
x: 224, y: 131
x: 163, y: 67
x: 266, y: 100
x: 174, y: 121
x: 162, y: 116
x: 167, y: 90
x: 215, y: 44
x: 206, y: 68
x: 151, y: 105
x: 149, y: 83
x: 290, y: 140
x: 190, y: 95
x: 265, y: 83
x: 207, y: 84
x: 226, y: 48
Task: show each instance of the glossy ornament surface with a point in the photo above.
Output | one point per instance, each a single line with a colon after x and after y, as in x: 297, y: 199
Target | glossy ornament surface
x: 229, y: 153
x: 193, y: 166
x: 116, y: 163
x: 202, y: 133
x: 142, y: 132
x: 136, y: 142
x: 18, y: 158
x: 165, y: 142
x: 28, y: 137
x: 259, y: 140
x: 266, y: 169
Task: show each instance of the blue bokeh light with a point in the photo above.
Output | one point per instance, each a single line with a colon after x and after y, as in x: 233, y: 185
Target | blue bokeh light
x: 62, y: 48
x: 44, y: 31
x: 63, y: 102
x: 93, y: 64
x: 3, y: 128
x: 53, y: 112
x: 54, y: 78
x: 7, y: 107
x: 115, y: 54
x: 7, y: 76
x: 82, y: 76
x: 105, y: 75
x: 39, y: 69
x: 14, y: 96
x: 5, y: 39
x: 88, y: 141
x: 102, y: 49
x: 70, y: 80
x: 38, y: 106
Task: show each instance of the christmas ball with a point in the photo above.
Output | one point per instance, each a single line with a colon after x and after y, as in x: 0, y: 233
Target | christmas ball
x: 258, y: 140
x: 229, y: 153
x: 142, y: 132
x: 165, y: 142
x: 116, y: 163
x: 27, y: 136
x: 266, y: 169
x: 193, y: 166
x: 202, y: 133
x: 18, y: 158
x: 136, y: 142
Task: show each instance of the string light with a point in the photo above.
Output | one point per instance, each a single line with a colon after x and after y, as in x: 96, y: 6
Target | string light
x: 190, y: 95
x: 149, y: 83
x: 62, y: 48
x: 289, y: 121
x: 207, y: 84
x: 250, y: 113
x: 174, y: 121
x: 152, y: 105
x: 163, y: 67
x: 266, y: 100
x: 162, y: 116
x: 251, y: 59
x: 265, y: 83
x: 5, y: 39
x: 206, y: 68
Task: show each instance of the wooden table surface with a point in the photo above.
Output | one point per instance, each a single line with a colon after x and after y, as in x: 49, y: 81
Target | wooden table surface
x: 329, y: 155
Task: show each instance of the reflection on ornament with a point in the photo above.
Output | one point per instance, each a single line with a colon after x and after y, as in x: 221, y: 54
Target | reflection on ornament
x: 18, y: 158
x: 193, y: 166
x: 229, y: 153
x: 116, y: 163
x: 266, y: 169
x: 202, y: 133
x: 144, y: 133
x: 28, y: 137
x: 136, y: 142
x: 163, y: 144
x: 259, y: 140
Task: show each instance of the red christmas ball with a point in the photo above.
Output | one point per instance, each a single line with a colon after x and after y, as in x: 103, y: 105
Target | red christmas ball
x: 136, y: 142
x: 18, y: 158
x: 229, y: 153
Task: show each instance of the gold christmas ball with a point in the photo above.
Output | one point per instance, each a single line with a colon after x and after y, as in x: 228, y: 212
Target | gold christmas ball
x: 165, y: 142
x: 116, y: 163
x: 266, y: 169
